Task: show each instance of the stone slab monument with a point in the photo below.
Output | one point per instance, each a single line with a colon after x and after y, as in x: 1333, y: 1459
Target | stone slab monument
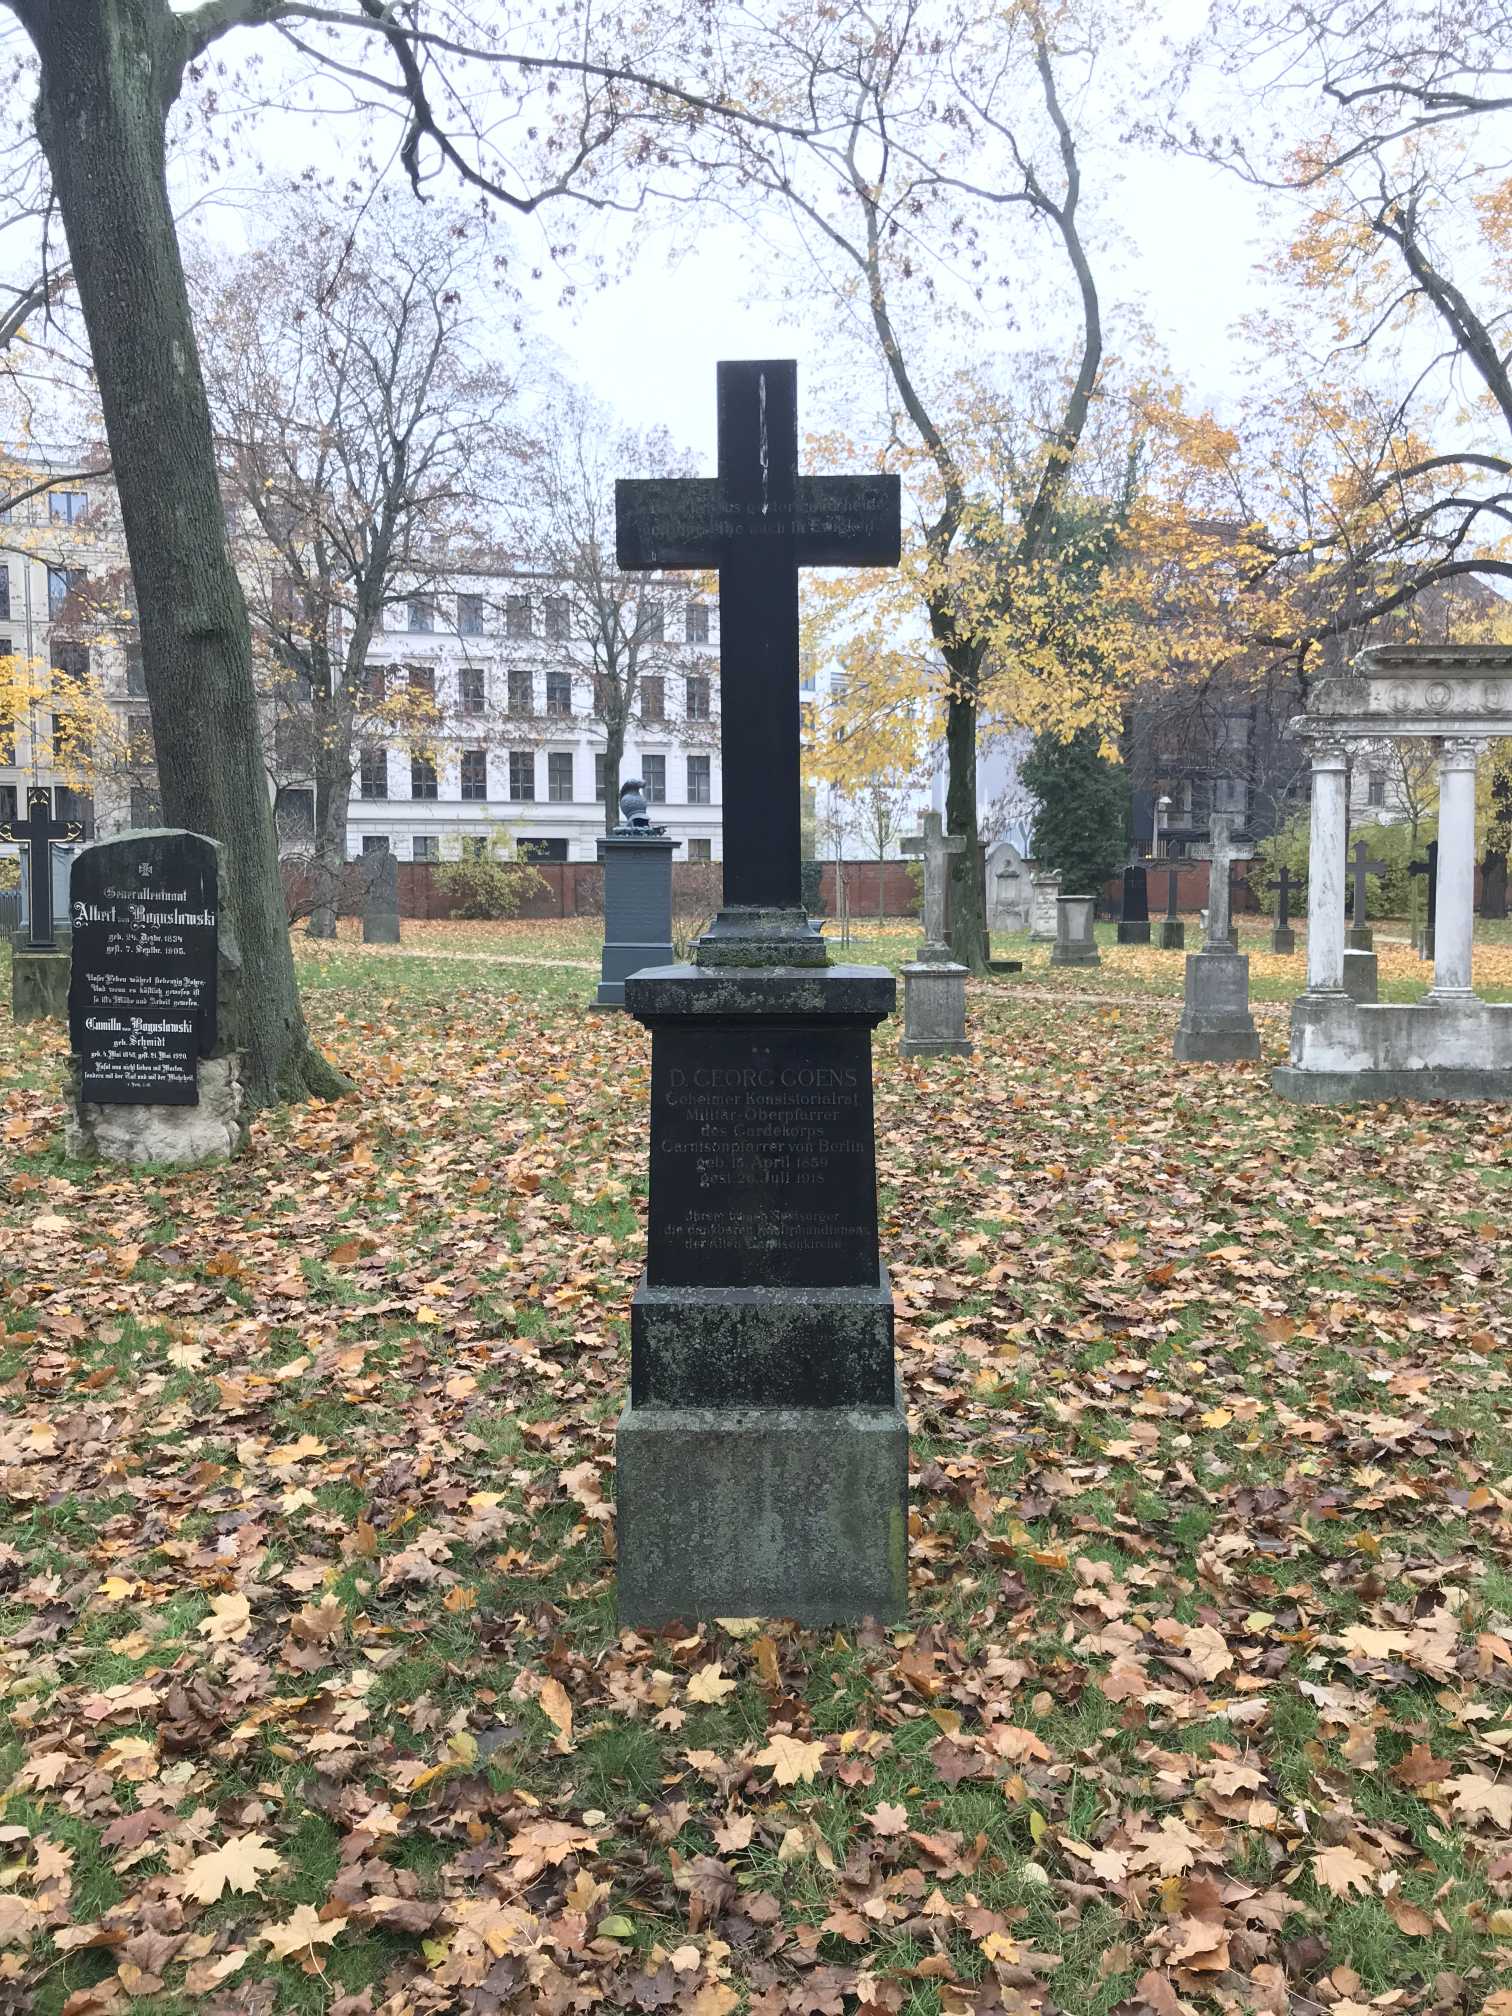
x: 1010, y: 895
x: 637, y: 863
x: 934, y: 985
x: 1134, y: 913
x: 1283, y: 937
x: 1361, y: 974
x: 153, y: 1004
x: 1075, y: 941
x: 1451, y: 1044
x: 1172, y: 929
x: 1044, y: 915
x: 380, y: 900
x: 1216, y: 1026
x: 762, y: 1458
x: 39, y: 964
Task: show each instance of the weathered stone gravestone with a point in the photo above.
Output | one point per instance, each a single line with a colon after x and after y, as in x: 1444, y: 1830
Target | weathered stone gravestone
x: 1216, y: 1026
x: 934, y: 986
x: 1283, y: 938
x: 1451, y: 1044
x: 1134, y: 915
x: 1172, y: 930
x: 1429, y: 867
x: 763, y: 1455
x: 1075, y: 942
x: 1360, y: 937
x: 1044, y: 913
x: 152, y: 1004
x: 380, y: 899
x: 1009, y: 889
x: 637, y: 864
x: 39, y: 964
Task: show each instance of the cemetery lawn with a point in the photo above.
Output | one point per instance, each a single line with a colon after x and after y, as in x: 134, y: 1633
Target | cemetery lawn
x: 311, y: 1695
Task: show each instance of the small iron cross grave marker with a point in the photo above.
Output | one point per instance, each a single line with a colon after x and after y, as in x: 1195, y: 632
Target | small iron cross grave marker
x: 37, y: 831
x: 758, y: 521
x: 935, y: 846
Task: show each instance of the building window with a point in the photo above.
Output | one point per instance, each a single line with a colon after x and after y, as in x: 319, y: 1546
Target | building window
x: 473, y: 846
x: 522, y: 775
x: 559, y: 776
x: 1229, y: 794
x: 697, y: 616
x: 653, y: 697
x: 141, y: 751
x: 558, y: 691
x: 293, y: 745
x: 600, y: 767
x: 422, y: 778
x: 61, y: 583
x: 1375, y: 789
x: 698, y: 781
x: 67, y: 507
x: 517, y: 616
x: 422, y: 684
x: 605, y: 693
x: 654, y: 777
x: 296, y: 816
x: 543, y: 850
x: 375, y: 684
x: 698, y: 697
x: 425, y: 847
x: 700, y: 850
x: 136, y: 674
x: 475, y: 774
x: 373, y: 773
x: 71, y: 661
x: 146, y: 806
x: 422, y: 613
x: 285, y: 598
x: 375, y: 843
x: 521, y: 690
x: 558, y: 621
x: 474, y: 691
x: 648, y: 623
x: 470, y: 615
x: 4, y: 591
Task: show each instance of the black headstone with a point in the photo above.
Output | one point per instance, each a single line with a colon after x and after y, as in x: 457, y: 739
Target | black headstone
x: 1134, y: 918
x: 142, y: 997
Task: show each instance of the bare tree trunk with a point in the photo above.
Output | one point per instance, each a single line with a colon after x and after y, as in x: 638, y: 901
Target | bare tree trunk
x: 966, y: 921
x: 110, y: 72
x: 614, y: 756
x: 332, y: 767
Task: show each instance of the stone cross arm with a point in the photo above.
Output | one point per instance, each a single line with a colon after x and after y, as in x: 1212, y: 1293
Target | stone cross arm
x: 936, y: 846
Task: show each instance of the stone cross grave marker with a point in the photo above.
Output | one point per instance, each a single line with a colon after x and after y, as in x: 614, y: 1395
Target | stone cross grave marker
x: 1216, y: 1026
x: 1360, y: 935
x: 1221, y: 855
x: 37, y: 832
x: 935, y: 847
x: 1428, y: 867
x: 1172, y: 930
x: 1283, y: 938
x: 758, y: 521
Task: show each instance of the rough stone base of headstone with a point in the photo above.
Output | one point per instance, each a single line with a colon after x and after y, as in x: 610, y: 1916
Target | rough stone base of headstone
x: 795, y: 1512
x: 619, y: 962
x: 1283, y: 939
x: 213, y: 1131
x: 762, y: 1347
x: 1345, y: 1051
x: 1361, y: 975
x: 1134, y: 931
x: 934, y: 1011
x: 39, y: 986
x: 1085, y: 954
x: 1361, y: 939
x: 1005, y: 965
x: 1216, y: 1026
x: 1172, y: 935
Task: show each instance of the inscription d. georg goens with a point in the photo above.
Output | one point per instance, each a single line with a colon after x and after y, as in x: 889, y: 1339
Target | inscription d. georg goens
x: 762, y: 1161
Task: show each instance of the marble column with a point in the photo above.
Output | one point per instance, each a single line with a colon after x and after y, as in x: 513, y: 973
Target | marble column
x: 1325, y: 870
x: 1454, y: 926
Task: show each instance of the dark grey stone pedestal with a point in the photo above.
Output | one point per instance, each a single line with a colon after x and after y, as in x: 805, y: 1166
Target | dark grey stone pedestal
x: 1359, y: 938
x: 1074, y: 944
x: 1172, y: 934
x: 1216, y: 1026
x: 1361, y: 979
x: 1283, y: 939
x: 762, y: 1459
x: 380, y: 908
x: 1133, y: 930
x: 637, y: 910
x: 934, y: 1011
x: 39, y: 982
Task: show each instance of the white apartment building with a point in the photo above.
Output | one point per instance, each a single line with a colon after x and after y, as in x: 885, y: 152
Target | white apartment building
x: 517, y: 741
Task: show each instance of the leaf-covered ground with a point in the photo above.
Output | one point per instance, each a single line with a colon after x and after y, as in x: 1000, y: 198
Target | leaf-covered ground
x: 311, y: 1694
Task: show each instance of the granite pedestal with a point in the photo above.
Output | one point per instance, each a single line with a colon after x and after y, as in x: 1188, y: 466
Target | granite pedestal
x: 934, y: 1011
x: 637, y: 910
x: 1216, y: 1026
x: 1359, y: 938
x: 762, y: 1460
x: 380, y: 908
x: 39, y: 981
x: 1361, y: 976
x: 1283, y: 940
x: 1172, y: 934
x: 1074, y: 943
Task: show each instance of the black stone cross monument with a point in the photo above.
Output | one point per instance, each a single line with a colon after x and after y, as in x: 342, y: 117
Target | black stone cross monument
x: 37, y: 832
x: 1361, y: 938
x: 1283, y: 938
x: 1429, y: 868
x: 758, y: 521
x: 1172, y: 930
x: 762, y: 1459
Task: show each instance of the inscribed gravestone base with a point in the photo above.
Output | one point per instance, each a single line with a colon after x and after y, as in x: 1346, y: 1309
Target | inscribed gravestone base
x: 762, y: 1458
x: 152, y: 1001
